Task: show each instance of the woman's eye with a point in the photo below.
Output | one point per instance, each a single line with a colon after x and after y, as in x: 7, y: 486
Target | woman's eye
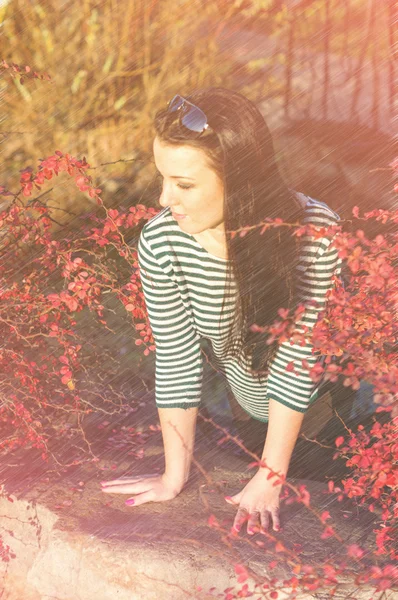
x: 180, y: 185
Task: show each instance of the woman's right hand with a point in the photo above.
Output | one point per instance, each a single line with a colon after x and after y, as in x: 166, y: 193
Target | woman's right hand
x: 143, y: 488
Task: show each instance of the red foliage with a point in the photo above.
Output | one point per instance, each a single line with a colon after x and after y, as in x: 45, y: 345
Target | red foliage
x: 358, y: 327
x: 357, y: 333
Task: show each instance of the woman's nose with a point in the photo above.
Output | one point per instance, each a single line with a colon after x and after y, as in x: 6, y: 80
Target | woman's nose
x: 165, y: 198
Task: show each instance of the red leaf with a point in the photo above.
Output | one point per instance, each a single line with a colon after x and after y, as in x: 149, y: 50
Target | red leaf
x: 328, y: 532
x: 283, y: 313
x: 251, y: 465
x: 305, y: 495
x: 212, y: 521
x: 241, y: 572
x: 355, y: 551
x: 297, y: 569
x: 325, y: 515
x: 354, y: 265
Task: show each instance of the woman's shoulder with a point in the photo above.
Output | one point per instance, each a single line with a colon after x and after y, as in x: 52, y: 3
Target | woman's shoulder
x: 162, y: 231
x: 161, y: 224
x: 156, y: 242
x: 154, y: 238
x: 317, y: 211
x: 166, y: 240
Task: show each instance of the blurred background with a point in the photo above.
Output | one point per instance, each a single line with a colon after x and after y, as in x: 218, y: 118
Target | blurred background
x: 322, y: 73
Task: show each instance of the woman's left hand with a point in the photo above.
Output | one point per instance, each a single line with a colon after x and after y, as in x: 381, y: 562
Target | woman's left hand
x: 258, y: 502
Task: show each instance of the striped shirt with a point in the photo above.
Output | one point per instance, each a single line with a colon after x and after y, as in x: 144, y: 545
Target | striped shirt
x: 183, y: 286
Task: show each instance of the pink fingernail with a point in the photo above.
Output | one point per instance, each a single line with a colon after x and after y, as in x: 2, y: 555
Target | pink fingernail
x: 130, y: 502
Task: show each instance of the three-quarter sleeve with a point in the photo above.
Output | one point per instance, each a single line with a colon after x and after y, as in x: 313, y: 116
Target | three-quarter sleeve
x: 318, y: 262
x: 179, y: 362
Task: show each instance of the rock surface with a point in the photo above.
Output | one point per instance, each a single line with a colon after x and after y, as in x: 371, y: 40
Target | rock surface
x: 74, y: 542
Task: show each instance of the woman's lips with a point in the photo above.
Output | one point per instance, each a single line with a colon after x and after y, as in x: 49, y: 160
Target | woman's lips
x: 177, y: 216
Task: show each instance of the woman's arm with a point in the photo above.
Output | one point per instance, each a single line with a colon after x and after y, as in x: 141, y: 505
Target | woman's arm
x: 283, y: 429
x: 178, y: 432
x: 293, y: 389
x: 290, y: 392
x: 179, y: 362
x: 318, y: 264
x: 260, y: 497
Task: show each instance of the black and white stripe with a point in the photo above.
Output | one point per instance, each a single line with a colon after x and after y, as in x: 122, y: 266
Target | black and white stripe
x: 183, y: 287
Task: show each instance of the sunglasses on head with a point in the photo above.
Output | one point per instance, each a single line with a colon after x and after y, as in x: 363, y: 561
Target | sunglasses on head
x: 191, y: 117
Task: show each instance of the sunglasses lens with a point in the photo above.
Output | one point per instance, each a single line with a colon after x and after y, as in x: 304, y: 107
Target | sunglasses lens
x: 194, y: 119
x: 175, y: 103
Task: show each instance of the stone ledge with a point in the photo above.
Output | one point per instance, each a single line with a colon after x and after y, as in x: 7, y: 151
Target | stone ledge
x: 89, y: 545
x: 154, y: 551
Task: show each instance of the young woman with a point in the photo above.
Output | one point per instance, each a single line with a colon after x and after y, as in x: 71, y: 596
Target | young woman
x: 215, y: 155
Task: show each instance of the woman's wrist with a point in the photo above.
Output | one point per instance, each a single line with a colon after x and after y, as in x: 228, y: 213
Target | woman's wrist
x: 176, y: 480
x: 273, y: 474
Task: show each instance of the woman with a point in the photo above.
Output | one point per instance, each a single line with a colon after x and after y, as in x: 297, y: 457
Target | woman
x: 215, y: 155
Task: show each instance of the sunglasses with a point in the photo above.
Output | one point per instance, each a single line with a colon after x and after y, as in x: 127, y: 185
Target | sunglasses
x: 192, y: 117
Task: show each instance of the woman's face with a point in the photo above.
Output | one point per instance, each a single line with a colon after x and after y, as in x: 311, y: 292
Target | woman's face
x: 190, y: 187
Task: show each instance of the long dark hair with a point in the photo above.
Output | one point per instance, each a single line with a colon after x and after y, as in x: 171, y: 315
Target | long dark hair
x: 239, y: 148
